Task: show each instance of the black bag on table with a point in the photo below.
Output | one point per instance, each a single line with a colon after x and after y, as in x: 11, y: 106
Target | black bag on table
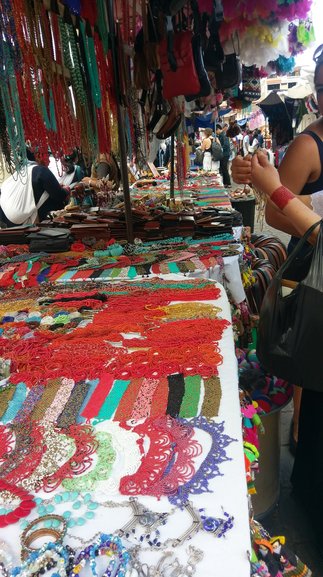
x: 50, y: 240
x: 290, y: 332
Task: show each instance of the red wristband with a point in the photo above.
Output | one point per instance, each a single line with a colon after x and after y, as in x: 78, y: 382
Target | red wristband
x: 281, y: 197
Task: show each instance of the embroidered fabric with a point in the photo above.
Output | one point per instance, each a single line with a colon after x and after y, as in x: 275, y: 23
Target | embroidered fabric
x: 209, y: 469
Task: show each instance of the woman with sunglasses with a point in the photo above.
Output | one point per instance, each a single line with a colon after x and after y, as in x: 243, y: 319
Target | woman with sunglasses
x: 301, y: 170
x: 307, y: 475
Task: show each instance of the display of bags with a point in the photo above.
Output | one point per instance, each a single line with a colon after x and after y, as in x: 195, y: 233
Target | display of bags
x: 290, y: 333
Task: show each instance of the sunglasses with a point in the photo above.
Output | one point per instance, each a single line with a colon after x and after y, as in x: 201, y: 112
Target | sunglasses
x: 318, y: 54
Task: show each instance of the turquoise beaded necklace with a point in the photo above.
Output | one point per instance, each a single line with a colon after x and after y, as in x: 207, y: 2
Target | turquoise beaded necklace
x: 80, y: 502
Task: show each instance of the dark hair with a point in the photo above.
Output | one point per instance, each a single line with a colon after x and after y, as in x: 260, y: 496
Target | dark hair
x: 219, y: 127
x: 30, y: 155
x: 318, y: 59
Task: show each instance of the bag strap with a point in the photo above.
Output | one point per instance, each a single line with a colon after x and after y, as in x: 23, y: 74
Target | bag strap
x: 197, y: 23
x: 234, y: 37
x: 297, y: 249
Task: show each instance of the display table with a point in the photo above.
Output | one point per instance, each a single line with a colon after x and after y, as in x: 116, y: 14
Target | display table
x: 226, y: 491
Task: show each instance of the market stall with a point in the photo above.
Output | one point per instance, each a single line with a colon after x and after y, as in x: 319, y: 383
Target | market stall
x: 121, y: 448
x: 208, y: 469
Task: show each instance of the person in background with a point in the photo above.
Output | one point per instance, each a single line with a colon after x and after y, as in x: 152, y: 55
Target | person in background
x: 301, y: 170
x: 206, y: 146
x: 221, y: 133
x: 105, y: 172
x: 246, y: 143
x: 28, y: 198
x: 307, y: 475
x: 259, y: 137
x: 254, y: 144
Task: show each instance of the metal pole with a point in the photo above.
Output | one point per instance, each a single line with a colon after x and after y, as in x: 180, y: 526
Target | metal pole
x: 120, y: 117
x: 172, y: 167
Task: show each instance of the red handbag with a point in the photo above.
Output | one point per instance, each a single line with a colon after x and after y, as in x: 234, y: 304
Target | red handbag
x: 184, y: 80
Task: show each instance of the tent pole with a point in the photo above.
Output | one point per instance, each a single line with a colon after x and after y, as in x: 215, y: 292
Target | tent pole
x: 120, y: 118
x: 172, y: 167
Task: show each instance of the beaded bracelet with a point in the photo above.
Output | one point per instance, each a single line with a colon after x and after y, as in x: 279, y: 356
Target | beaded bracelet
x: 26, y: 536
x: 50, y: 556
x: 29, y: 539
x: 104, y: 545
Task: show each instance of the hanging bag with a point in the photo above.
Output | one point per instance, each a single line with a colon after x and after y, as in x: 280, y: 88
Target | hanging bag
x: 183, y: 79
x: 205, y: 86
x: 228, y: 72
x: 290, y: 333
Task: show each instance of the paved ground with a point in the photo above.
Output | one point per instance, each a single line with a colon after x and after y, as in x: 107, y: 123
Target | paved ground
x: 288, y: 518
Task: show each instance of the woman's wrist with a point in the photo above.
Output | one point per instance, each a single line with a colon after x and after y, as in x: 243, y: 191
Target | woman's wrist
x: 281, y: 197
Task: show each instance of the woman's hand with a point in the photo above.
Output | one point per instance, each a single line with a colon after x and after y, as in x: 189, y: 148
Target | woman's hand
x: 264, y: 175
x: 241, y: 169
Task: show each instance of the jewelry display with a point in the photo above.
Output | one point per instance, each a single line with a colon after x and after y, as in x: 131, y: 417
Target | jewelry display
x: 149, y: 522
x: 50, y: 556
x: 209, y: 468
x: 8, y: 493
x: 27, y: 537
x: 108, y: 545
x: 6, y: 559
x: 168, y: 565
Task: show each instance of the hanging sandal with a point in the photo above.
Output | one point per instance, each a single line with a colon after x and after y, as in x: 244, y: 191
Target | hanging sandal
x: 172, y: 122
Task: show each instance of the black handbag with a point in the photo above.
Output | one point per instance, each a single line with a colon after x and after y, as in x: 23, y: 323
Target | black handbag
x: 290, y: 332
x: 228, y: 72
x: 50, y: 240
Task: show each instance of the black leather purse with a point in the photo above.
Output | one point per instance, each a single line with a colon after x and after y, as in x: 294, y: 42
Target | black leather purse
x: 228, y: 72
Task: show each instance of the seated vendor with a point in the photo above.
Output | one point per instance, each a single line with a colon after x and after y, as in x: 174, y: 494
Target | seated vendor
x: 66, y: 169
x: 105, y: 173
x: 27, y: 198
